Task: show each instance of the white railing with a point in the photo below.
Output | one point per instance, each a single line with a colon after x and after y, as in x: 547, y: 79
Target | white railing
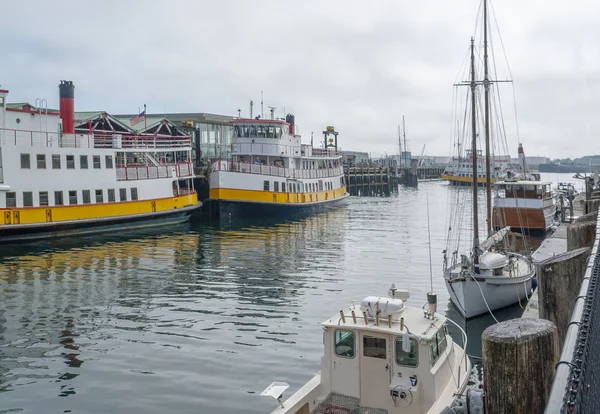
x: 243, y: 167
x: 247, y: 148
x: 149, y: 172
x: 81, y: 140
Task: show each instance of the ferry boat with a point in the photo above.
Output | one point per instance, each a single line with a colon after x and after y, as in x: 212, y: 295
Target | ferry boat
x: 383, y: 357
x: 271, y: 173
x: 459, y: 170
x: 523, y: 202
x: 56, y: 180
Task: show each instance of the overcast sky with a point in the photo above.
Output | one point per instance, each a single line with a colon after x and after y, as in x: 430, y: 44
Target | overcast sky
x: 356, y: 65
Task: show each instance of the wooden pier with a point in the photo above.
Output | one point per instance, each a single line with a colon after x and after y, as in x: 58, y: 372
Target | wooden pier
x: 371, y: 180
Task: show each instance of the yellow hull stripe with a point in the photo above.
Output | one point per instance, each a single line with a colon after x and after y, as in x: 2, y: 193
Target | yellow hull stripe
x: 456, y: 178
x: 57, y: 214
x: 232, y: 194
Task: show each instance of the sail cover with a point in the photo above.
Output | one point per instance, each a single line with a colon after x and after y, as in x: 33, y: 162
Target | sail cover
x: 493, y: 239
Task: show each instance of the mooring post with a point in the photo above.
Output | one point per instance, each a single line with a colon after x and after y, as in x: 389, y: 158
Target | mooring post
x: 582, y: 232
x: 519, y: 357
x: 559, y: 281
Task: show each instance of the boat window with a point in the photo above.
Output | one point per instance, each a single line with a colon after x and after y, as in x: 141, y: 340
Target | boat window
x: 134, y: 194
x: 97, y: 161
x: 260, y: 131
x: 41, y: 161
x: 86, y: 196
x: 58, y: 198
x: 278, y: 132
x: 438, y: 345
x: 283, y: 187
x: 72, y: 197
x: 83, y: 162
x: 25, y: 161
x: 70, y: 162
x: 122, y: 194
x: 407, y: 359
x: 99, y: 198
x: 236, y: 131
x: 344, y: 343
x: 252, y: 129
x: 11, y: 199
x: 109, y: 161
x: 111, y: 195
x: 270, y: 132
x: 267, y: 185
x: 374, y: 347
x: 43, y: 198
x: 27, y: 199
x: 276, y: 186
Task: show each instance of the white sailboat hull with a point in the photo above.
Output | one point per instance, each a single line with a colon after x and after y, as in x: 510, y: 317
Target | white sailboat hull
x: 473, y: 297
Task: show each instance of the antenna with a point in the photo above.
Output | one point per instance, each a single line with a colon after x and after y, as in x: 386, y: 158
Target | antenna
x: 239, y: 113
x: 431, y: 297
x: 262, y: 113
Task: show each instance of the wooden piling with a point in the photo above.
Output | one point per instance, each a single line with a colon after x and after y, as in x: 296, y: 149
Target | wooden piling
x: 582, y: 233
x: 559, y: 281
x: 519, y: 357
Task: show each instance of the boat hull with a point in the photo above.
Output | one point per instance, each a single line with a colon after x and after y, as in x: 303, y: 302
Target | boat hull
x: 499, y: 292
x: 236, y: 209
x: 458, y: 180
x: 540, y: 219
x: 39, y: 231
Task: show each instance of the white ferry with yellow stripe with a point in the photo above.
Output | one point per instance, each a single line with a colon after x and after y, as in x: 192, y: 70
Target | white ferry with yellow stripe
x: 271, y: 173
x: 57, y: 179
x: 459, y: 170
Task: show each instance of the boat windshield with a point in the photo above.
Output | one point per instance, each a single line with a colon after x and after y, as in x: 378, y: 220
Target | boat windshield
x: 410, y: 358
x: 257, y: 131
x: 344, y: 343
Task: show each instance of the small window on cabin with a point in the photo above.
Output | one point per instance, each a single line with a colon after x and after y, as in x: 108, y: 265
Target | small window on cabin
x: 267, y: 185
x: 320, y: 185
x: 283, y: 187
x: 270, y: 132
x: 70, y: 162
x: 344, y: 344
x: 99, y: 196
x: 108, y: 161
x: 27, y: 199
x: 111, y: 195
x: 86, y: 197
x: 134, y: 194
x: 43, y: 198
x: 83, y: 162
x: 41, y: 161
x: 97, y: 164
x: 438, y: 345
x: 25, y: 161
x: 236, y: 131
x: 276, y: 186
x: 122, y: 194
x: 72, y: 197
x: 374, y: 347
x: 56, y: 161
x: 252, y: 129
x: 260, y: 131
x: 58, y: 198
x: 11, y: 199
x: 410, y: 358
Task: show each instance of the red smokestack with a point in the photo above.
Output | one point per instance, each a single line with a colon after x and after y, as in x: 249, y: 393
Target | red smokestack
x: 66, y: 91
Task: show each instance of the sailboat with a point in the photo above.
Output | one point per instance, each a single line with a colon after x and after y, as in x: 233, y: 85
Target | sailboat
x: 484, y: 278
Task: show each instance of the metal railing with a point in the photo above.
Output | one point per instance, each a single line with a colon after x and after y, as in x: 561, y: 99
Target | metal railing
x: 247, y: 168
x: 149, y: 172
x: 258, y: 148
x: 575, y: 387
x: 79, y: 140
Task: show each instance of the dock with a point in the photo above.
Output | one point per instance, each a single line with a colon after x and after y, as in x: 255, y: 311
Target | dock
x: 371, y: 180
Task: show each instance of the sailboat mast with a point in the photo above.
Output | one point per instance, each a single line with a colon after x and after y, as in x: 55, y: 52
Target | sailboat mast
x: 486, y: 85
x: 404, y: 134
x: 399, y: 147
x: 474, y: 155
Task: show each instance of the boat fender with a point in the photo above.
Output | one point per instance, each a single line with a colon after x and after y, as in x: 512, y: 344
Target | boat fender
x: 474, y: 401
x: 533, y: 283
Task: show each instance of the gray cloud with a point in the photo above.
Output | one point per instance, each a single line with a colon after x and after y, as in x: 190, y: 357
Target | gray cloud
x: 351, y: 64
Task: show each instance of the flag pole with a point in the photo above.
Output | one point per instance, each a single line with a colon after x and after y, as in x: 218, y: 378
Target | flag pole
x: 145, y: 126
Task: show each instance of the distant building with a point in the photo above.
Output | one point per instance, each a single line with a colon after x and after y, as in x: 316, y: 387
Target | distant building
x: 356, y: 157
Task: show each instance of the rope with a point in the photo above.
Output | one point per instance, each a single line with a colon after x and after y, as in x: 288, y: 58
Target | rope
x: 484, y: 300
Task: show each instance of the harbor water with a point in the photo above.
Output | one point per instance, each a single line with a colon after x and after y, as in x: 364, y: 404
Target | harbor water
x: 201, y: 318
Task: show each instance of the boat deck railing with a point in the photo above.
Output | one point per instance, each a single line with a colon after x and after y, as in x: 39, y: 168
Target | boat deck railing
x: 272, y: 170
x: 148, y: 172
x: 92, y: 140
x: 276, y: 149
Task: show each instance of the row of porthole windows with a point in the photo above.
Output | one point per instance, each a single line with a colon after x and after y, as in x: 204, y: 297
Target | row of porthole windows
x: 297, y: 187
x: 69, y: 161
x: 345, y: 346
x: 73, y: 197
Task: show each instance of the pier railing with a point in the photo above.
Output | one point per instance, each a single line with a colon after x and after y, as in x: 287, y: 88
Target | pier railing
x: 79, y: 140
x: 261, y: 169
x: 575, y: 388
